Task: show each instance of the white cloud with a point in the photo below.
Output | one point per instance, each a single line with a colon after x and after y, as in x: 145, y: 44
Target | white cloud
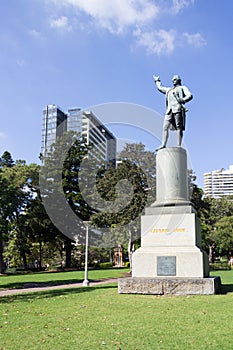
x: 157, y: 42
x: 133, y: 16
x: 195, y: 40
x: 60, y: 23
x: 115, y: 15
x: 178, y: 5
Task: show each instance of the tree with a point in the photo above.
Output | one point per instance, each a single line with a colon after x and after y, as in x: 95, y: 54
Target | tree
x: 61, y: 177
x: 6, y: 160
x: 145, y: 161
x: 224, y: 235
x: 42, y: 232
x: 18, y: 242
x: 16, y: 190
x: 128, y: 189
x: 211, y: 211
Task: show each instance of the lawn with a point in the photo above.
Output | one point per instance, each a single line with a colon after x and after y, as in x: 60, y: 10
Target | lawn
x: 99, y: 318
x: 57, y: 278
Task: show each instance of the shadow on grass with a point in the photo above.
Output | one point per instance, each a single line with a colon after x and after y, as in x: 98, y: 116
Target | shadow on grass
x: 31, y: 284
x: 37, y: 284
x: 226, y: 288
x: 25, y: 297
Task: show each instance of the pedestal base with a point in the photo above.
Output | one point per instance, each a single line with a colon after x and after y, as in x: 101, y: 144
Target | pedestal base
x: 169, y: 286
x: 152, y: 262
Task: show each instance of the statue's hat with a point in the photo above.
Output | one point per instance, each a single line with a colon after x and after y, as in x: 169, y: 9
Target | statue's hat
x: 177, y: 77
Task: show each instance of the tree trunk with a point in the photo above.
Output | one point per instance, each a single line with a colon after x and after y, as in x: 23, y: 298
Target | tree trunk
x: 2, y: 265
x: 68, y: 248
x: 40, y: 257
x: 23, y: 254
x: 211, y: 253
x: 21, y: 249
x: 110, y: 256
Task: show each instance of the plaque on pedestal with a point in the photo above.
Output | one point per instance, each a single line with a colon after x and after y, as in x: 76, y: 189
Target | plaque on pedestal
x: 166, y: 265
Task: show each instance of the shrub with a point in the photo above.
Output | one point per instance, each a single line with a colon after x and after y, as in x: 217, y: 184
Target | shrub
x: 105, y: 265
x: 220, y: 266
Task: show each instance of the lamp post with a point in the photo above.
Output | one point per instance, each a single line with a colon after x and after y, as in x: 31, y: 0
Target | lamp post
x: 85, y: 281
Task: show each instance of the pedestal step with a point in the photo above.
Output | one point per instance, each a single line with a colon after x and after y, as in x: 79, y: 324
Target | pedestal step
x: 169, y: 286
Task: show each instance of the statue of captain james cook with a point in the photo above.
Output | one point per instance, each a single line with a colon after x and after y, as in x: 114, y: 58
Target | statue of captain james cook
x: 174, y: 119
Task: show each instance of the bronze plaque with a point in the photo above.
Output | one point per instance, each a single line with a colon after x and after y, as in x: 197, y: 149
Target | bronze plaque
x: 166, y: 265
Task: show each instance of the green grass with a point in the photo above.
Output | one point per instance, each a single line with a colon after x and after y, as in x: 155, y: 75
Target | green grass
x: 57, y: 278
x: 99, y: 318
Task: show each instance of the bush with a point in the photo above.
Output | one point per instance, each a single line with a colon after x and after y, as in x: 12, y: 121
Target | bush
x: 127, y: 264
x: 105, y: 265
x: 11, y: 270
x: 220, y: 266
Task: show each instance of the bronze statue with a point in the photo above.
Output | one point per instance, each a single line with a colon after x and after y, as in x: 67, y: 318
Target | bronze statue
x: 176, y: 97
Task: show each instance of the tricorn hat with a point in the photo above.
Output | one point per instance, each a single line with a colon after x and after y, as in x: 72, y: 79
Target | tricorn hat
x: 177, y: 77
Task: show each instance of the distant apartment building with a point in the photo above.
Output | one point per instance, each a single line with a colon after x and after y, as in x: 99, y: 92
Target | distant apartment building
x: 56, y: 122
x: 219, y: 183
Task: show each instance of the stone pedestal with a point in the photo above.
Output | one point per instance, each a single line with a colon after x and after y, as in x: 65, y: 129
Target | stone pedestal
x: 170, y: 286
x: 170, y: 253
x: 171, y: 177
x: 170, y: 244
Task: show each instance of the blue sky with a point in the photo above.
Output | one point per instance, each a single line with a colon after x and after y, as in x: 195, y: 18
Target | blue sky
x: 85, y: 53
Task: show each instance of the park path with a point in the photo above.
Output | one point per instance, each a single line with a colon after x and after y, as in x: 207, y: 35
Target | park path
x: 6, y: 292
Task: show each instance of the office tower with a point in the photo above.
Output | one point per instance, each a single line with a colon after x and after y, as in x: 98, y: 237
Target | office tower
x: 54, y: 125
x: 219, y: 183
x: 56, y: 122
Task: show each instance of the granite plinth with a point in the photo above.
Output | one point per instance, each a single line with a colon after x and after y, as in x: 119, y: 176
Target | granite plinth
x: 171, y: 177
x: 169, y: 286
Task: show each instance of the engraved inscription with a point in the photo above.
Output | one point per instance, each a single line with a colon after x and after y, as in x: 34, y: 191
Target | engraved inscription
x: 166, y: 265
x: 166, y: 230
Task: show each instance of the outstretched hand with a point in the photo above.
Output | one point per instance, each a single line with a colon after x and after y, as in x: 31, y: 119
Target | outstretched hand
x: 156, y: 78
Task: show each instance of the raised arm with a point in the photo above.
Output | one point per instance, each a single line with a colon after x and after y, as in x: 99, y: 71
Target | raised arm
x: 159, y: 85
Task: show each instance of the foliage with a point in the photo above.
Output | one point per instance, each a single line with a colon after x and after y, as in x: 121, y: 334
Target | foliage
x: 96, y: 255
x: 17, y: 187
x: 129, y: 188
x: 27, y: 233
x: 212, y: 211
x: 145, y: 161
x: 105, y: 265
x: 220, y: 266
x: 61, y: 176
x: 197, y: 199
x: 224, y: 235
x: 132, y: 195
x: 6, y: 160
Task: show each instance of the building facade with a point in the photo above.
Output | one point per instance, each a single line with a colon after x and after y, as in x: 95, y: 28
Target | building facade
x: 56, y: 122
x: 219, y: 183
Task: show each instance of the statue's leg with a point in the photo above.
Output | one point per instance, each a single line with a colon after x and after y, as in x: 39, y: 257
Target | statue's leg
x: 179, y: 127
x: 179, y: 137
x: 166, y: 126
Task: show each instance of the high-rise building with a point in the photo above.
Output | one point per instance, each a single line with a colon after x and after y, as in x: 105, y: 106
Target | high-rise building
x: 219, y: 183
x: 56, y: 122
